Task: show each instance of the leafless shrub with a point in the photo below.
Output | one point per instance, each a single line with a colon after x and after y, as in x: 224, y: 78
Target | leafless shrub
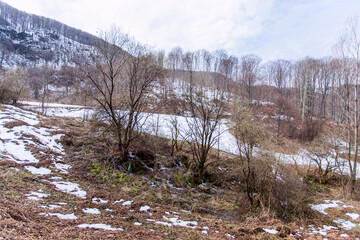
x: 13, y: 85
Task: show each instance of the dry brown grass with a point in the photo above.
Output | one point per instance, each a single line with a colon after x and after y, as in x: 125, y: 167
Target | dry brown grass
x: 225, y: 209
x: 15, y: 124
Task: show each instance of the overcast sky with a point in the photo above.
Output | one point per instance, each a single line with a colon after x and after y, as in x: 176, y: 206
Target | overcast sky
x: 272, y: 29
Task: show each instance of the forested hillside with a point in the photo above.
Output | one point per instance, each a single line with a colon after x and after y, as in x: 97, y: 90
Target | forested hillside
x: 31, y: 40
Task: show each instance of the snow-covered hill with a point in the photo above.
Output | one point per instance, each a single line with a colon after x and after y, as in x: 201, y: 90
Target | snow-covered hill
x: 27, y: 39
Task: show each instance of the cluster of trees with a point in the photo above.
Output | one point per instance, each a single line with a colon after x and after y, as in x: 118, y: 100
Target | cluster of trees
x: 308, y: 91
x: 120, y: 73
x: 45, y: 83
x: 29, y: 22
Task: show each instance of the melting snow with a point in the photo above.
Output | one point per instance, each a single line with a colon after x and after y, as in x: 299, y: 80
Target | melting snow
x: 144, y: 208
x: 38, y: 171
x: 229, y: 235
x: 319, y: 230
x: 354, y: 216
x: 127, y: 203
x: 329, y: 204
x: 137, y: 223
x: 227, y: 142
x: 175, y: 221
x: 62, y: 167
x: 100, y: 226
x: 16, y: 141
x: 61, y: 216
x: 36, y: 196
x: 271, y: 231
x: 71, y: 188
x: 347, y: 225
x: 91, y: 210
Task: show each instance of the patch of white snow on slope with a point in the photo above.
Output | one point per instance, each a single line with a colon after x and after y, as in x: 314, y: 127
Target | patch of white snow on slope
x: 100, y: 226
x: 271, y: 231
x: 61, y: 216
x: 50, y: 206
x: 354, y: 216
x: 36, y: 196
x: 16, y: 141
x: 328, y: 204
x: 91, y: 210
x: 71, y: 188
x: 127, y: 203
x: 175, y: 221
x: 347, y: 225
x: 144, y: 208
x: 57, y: 105
x: 62, y: 167
x: 38, y: 171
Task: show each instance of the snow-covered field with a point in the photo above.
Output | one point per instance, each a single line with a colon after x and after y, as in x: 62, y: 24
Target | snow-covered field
x: 161, y: 125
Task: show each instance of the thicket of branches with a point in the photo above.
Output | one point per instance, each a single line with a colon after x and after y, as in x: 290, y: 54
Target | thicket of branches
x: 120, y: 74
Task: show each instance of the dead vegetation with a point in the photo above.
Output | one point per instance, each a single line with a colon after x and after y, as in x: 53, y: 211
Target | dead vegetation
x: 281, y: 195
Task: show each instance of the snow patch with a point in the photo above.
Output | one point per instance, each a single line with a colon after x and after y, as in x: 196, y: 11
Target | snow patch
x: 354, y: 216
x: 127, y: 203
x: 36, y: 195
x: 271, y: 231
x: 347, y: 225
x: 38, y: 171
x: 62, y: 167
x: 71, y: 188
x: 61, y: 216
x: 99, y: 226
x: 144, y: 208
x: 91, y: 210
x: 328, y: 204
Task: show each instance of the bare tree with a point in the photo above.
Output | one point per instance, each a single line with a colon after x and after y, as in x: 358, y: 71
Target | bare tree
x: 248, y: 136
x: 13, y: 84
x: 348, y: 46
x: 249, y: 74
x: 174, y: 61
x: 322, y: 152
x: 39, y: 79
x: 120, y: 73
x: 324, y: 82
x: 278, y: 73
x: 206, y: 107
